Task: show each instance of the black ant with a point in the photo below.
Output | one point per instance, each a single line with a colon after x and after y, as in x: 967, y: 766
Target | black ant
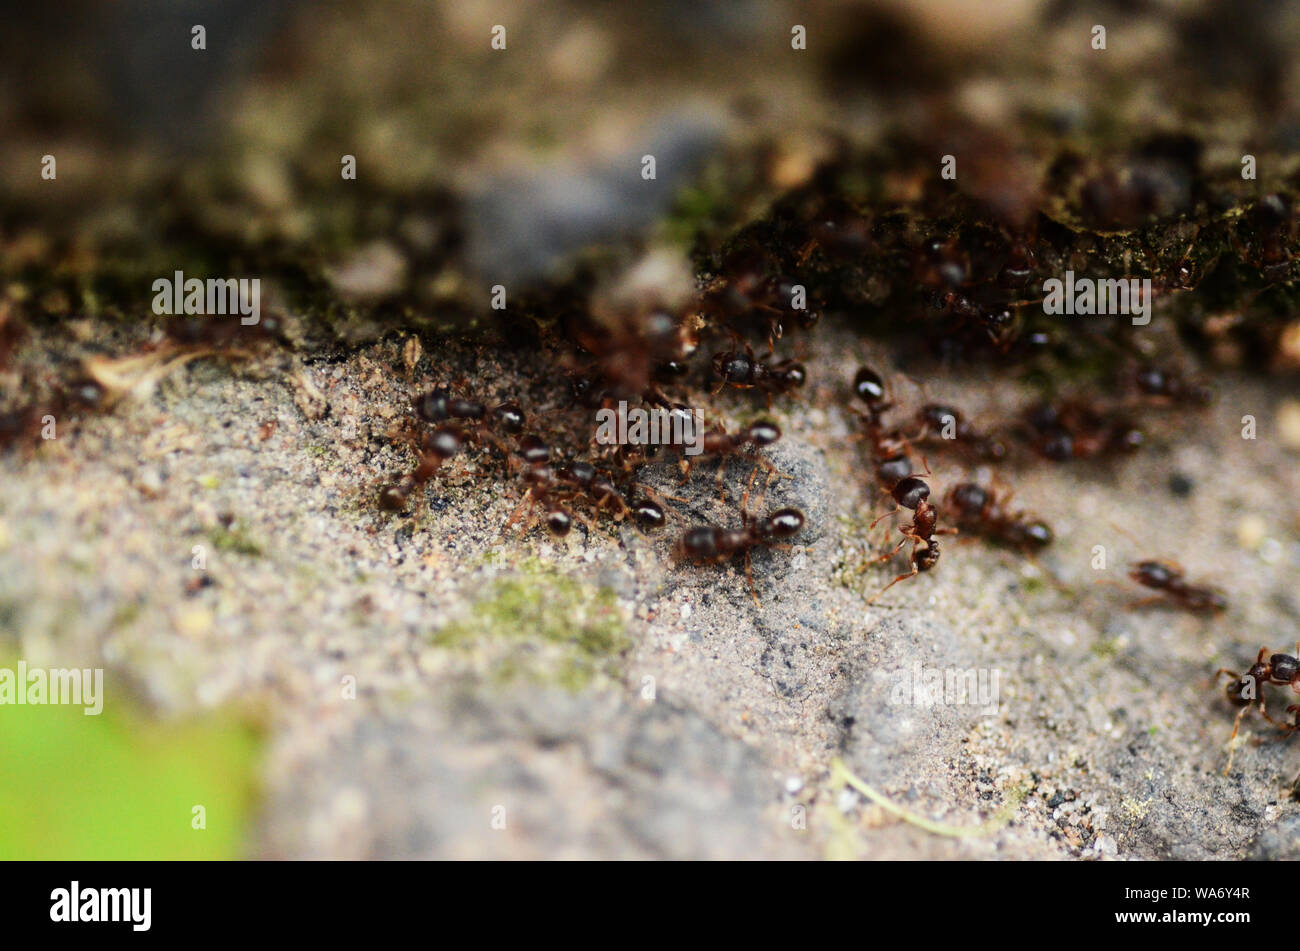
x: 721, y: 445
x: 554, y: 486
x: 1071, y: 430
x: 1244, y: 690
x: 743, y: 371
x: 712, y: 544
x: 889, y: 447
x: 983, y: 511
x: 949, y: 424
x: 436, y: 448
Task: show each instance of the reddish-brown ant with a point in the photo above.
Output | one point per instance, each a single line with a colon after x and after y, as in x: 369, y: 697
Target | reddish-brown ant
x: 889, y: 447
x: 984, y: 511
x: 914, y: 494
x: 1167, y: 578
x: 1245, y: 689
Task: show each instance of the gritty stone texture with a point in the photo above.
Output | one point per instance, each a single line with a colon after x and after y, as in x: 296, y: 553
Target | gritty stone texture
x: 1105, y: 722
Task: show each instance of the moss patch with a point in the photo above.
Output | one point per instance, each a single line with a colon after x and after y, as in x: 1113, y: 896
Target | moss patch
x: 541, y: 626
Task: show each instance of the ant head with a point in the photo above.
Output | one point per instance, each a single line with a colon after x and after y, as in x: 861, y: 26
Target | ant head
x: 1284, y: 667
x: 1057, y: 445
x: 1244, y: 689
x: 785, y: 523
x: 1038, y: 535
x: 1129, y: 438
x: 763, y: 433
x: 1155, y: 574
x: 928, y: 557
x: 795, y: 375
x: 393, y: 498
x: 868, y: 386
x: 669, y: 371
x: 969, y: 498
x: 534, y: 451
x: 432, y: 406
x: 911, y: 492
x: 808, y: 319
x: 582, y: 472
x: 510, y: 418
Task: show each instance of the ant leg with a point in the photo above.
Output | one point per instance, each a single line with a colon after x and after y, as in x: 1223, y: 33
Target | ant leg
x: 1232, y: 750
x: 749, y: 574
x: 1220, y: 672
x: 896, y: 508
x: 719, y: 477
x: 744, y: 498
x: 519, y: 510
x: 903, y: 576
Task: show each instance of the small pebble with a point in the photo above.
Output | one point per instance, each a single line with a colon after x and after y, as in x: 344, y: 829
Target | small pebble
x: 1288, y: 424
x: 1181, y: 485
x: 1251, y: 532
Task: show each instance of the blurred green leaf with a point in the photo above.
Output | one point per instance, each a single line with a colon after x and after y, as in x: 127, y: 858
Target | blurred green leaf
x: 118, y: 786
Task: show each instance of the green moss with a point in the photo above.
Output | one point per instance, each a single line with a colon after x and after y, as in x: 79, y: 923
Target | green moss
x: 118, y: 786
x: 234, y: 540
x: 1105, y: 648
x: 541, y: 626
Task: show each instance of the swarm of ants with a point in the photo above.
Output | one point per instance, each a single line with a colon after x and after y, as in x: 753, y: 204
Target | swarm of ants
x: 948, y: 284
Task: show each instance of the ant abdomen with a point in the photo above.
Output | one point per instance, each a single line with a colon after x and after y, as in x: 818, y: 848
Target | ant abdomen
x: 649, y: 515
x: 782, y: 524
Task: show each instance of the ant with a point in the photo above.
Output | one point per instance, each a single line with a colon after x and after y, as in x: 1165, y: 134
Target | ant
x: 439, y: 406
x: 743, y: 371
x: 1280, y: 669
x: 714, y: 545
x: 950, y: 425
x: 1172, y: 387
x: 986, y: 512
x: 445, y: 441
x: 1167, y: 578
x: 554, y: 486
x: 914, y: 494
x: 1071, y: 430
x: 889, y: 447
x: 721, y: 445
x: 436, y: 448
